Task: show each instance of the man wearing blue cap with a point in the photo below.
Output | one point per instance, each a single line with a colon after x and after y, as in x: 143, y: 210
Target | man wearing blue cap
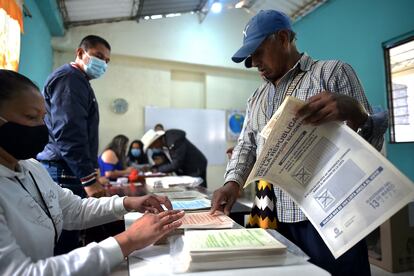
x: 333, y: 93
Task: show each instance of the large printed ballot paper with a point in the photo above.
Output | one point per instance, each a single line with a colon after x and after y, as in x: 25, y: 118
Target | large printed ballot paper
x: 342, y: 184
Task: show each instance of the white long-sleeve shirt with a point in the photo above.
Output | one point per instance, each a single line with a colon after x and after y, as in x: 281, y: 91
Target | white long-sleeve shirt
x: 27, y: 233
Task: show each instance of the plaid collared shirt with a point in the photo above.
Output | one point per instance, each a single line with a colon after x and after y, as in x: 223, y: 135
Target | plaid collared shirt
x: 333, y: 76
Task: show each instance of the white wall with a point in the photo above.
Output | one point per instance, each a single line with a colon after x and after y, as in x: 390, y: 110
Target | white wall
x: 162, y: 63
x: 181, y: 39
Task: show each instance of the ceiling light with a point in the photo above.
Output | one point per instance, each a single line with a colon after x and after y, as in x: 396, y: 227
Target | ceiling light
x: 146, y: 17
x: 239, y: 4
x: 156, y: 16
x: 216, y: 7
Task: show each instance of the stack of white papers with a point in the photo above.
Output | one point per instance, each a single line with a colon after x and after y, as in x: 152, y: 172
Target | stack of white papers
x: 169, y: 181
x: 232, y: 248
x: 166, y: 190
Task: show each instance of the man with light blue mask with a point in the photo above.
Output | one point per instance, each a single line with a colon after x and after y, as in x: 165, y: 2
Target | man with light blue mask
x: 72, y: 119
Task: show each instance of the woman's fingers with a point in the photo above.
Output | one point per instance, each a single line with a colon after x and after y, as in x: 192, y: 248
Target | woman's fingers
x: 151, y: 210
x: 171, y: 216
x: 153, y: 202
x: 164, y: 200
x: 171, y: 226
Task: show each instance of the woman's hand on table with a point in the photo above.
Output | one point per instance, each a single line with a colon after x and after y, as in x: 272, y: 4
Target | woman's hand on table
x: 148, y: 229
x: 147, y: 203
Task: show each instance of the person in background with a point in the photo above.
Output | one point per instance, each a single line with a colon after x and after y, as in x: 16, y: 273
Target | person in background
x: 184, y: 158
x: 34, y: 210
x: 136, y: 155
x: 112, y: 161
x: 72, y: 117
x: 332, y: 92
x: 158, y: 127
x: 156, y: 156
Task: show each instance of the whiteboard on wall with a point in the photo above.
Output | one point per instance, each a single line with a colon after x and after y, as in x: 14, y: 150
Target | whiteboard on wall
x: 205, y: 128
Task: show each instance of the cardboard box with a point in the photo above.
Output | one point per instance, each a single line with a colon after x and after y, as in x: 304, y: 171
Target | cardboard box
x: 391, y: 246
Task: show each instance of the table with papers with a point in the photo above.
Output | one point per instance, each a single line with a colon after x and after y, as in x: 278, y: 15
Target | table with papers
x: 156, y: 260
x: 237, y: 213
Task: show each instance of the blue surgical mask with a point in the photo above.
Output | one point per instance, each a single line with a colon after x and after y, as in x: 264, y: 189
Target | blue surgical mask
x: 95, y: 68
x: 136, y: 152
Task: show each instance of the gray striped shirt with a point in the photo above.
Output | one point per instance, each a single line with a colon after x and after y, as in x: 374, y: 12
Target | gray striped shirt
x: 332, y: 75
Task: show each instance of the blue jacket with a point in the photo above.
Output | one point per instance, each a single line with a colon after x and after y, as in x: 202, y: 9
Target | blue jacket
x: 72, y: 119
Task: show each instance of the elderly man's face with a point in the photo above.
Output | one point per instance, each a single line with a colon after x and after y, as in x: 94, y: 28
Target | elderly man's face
x: 271, y: 58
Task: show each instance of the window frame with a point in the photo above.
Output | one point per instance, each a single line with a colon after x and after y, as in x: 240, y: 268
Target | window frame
x: 388, y: 79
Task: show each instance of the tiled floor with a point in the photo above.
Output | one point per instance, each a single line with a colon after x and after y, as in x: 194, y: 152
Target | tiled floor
x: 376, y: 271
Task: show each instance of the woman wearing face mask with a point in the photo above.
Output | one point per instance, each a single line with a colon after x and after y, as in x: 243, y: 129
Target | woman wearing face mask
x: 136, y: 156
x: 34, y: 210
x: 112, y: 161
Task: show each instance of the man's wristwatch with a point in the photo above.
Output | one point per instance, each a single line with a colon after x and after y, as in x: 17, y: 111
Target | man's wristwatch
x: 366, y: 129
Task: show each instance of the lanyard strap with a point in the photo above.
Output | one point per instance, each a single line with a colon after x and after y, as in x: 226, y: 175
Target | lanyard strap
x: 47, y: 211
x: 289, y: 91
x: 293, y: 84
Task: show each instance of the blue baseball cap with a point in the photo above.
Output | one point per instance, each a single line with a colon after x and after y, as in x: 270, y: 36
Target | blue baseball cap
x: 257, y: 29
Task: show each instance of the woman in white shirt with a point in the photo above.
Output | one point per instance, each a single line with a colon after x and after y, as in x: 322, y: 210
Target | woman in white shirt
x: 34, y: 210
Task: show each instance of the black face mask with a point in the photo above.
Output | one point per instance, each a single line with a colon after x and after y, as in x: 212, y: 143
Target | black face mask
x: 23, y: 142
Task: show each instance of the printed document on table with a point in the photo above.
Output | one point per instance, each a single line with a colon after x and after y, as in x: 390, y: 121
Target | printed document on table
x: 255, y: 239
x: 344, y: 186
x: 182, y: 195
x: 194, y: 204
x: 205, y: 220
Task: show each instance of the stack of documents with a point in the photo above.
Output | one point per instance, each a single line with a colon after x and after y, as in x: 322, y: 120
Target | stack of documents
x: 232, y: 248
x: 189, y: 205
x: 169, y: 181
x: 166, y: 190
x: 204, y: 220
x: 181, y: 194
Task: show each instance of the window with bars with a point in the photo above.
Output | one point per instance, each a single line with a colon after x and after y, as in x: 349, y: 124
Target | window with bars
x: 399, y: 60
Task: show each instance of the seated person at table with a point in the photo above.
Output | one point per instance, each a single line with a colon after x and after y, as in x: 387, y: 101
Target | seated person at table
x: 157, y: 157
x: 34, y: 210
x: 112, y: 161
x: 136, y: 157
x: 184, y: 157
